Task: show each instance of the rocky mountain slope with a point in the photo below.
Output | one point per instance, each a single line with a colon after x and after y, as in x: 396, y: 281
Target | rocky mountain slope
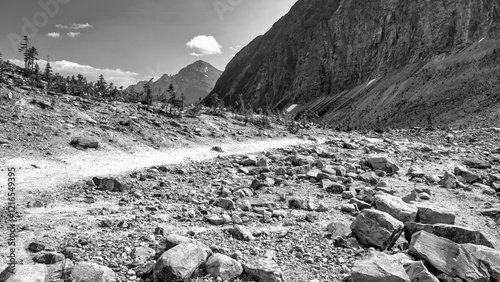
x: 375, y: 63
x: 195, y: 81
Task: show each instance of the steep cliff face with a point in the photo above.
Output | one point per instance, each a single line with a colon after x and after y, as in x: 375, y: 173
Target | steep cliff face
x: 195, y: 81
x: 323, y: 53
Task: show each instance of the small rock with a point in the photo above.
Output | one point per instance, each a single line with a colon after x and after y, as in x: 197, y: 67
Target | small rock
x: 242, y: 233
x: 217, y: 149
x: 222, y: 266
x: 261, y: 269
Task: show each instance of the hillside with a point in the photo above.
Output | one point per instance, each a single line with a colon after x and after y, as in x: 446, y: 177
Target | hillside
x: 115, y: 191
x: 195, y: 81
x: 375, y: 64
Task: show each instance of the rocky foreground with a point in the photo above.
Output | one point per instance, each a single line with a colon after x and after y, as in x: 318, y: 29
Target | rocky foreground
x: 401, y: 206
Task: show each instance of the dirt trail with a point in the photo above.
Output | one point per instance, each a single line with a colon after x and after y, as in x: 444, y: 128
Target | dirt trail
x: 43, y: 174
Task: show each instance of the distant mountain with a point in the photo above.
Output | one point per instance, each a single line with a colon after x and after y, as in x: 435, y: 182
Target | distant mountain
x: 195, y: 81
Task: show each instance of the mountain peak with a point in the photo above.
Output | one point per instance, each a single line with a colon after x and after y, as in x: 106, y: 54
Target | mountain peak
x: 195, y: 81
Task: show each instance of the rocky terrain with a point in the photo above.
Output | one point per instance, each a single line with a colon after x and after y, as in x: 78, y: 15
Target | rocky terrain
x: 361, y: 206
x: 195, y: 81
x: 375, y: 65
x: 114, y: 191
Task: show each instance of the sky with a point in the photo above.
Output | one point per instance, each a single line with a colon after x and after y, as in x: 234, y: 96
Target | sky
x: 132, y: 40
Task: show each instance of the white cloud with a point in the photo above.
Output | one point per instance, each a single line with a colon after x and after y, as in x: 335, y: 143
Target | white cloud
x: 235, y: 48
x: 204, y: 45
x: 74, y: 26
x: 54, y: 34
x: 73, y: 34
x: 117, y: 76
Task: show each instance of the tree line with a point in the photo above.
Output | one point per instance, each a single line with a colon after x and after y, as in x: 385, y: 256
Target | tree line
x: 79, y: 85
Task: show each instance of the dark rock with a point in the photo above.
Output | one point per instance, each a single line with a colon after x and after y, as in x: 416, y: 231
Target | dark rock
x: 48, y: 258
x: 474, y: 163
x: 36, y: 247
x: 383, y: 162
x: 225, y: 203
x: 84, y: 142
x: 457, y: 234
x: 111, y: 185
x: 377, y: 229
x: 217, y: 149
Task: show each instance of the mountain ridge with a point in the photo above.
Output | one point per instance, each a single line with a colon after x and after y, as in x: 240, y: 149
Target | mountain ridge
x: 322, y: 48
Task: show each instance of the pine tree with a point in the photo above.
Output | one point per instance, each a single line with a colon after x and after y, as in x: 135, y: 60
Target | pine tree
x: 101, y: 83
x: 148, y: 90
x: 242, y: 104
x: 183, y: 98
x: 33, y: 56
x: 215, y: 101
x: 24, y: 49
x: 36, y: 72
x: 1, y: 67
x: 173, y: 96
x: 48, y: 73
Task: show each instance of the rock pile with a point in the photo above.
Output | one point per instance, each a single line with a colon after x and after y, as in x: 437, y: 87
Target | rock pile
x: 353, y: 208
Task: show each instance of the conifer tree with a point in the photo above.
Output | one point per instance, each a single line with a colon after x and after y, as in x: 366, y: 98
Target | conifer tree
x: 148, y: 90
x: 182, y: 99
x: 24, y: 49
x: 32, y: 57
x: 48, y: 73
x: 1, y: 67
x: 173, y: 96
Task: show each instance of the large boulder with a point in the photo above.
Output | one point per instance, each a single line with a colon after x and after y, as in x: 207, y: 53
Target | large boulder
x: 92, y: 272
x: 451, y: 258
x: 263, y: 269
x: 27, y: 273
x: 457, y: 234
x: 377, y: 229
x: 432, y: 214
x: 450, y: 180
x: 379, y: 267
x: 383, y: 162
x: 84, y: 142
x: 467, y: 175
x: 249, y: 160
x: 222, y: 266
x: 179, y: 263
x: 396, y: 207
x: 112, y: 185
